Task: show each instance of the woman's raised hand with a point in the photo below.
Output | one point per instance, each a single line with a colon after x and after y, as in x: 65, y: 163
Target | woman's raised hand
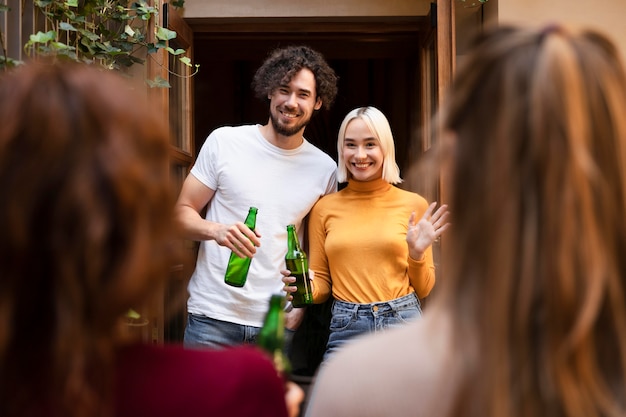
x: 423, y: 233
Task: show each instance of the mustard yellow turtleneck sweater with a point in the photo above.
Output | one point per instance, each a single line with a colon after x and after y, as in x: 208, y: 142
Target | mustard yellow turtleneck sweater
x: 357, y: 244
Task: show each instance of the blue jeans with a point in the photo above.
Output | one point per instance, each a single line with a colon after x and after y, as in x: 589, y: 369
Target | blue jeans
x: 349, y: 320
x: 204, y: 331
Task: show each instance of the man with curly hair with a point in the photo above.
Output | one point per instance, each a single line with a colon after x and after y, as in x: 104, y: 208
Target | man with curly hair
x: 271, y: 167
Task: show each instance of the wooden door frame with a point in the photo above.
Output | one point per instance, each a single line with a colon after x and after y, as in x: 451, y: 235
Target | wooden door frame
x: 446, y: 64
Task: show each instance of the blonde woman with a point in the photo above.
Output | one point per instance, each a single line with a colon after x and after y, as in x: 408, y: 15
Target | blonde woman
x: 370, y: 243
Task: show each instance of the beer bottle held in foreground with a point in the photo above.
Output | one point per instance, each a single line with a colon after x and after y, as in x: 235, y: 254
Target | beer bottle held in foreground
x: 272, y: 335
x: 237, y: 269
x: 297, y: 262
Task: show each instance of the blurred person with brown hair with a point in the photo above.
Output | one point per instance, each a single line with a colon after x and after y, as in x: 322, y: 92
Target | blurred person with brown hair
x: 530, y: 318
x: 85, y: 235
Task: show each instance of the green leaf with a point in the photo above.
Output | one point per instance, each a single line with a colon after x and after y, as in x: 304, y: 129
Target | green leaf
x: 178, y: 3
x: 67, y: 26
x: 89, y: 35
x: 4, y: 8
x: 108, y: 48
x: 129, y: 31
x: 61, y: 46
x: 68, y: 53
x: 43, y: 3
x: 165, y: 34
x: 175, y: 52
x: 158, y: 82
x: 9, y: 62
x: 41, y: 37
x: 185, y: 60
x: 128, y: 60
x: 144, y: 11
x: 71, y: 3
x: 151, y: 48
x: 87, y: 46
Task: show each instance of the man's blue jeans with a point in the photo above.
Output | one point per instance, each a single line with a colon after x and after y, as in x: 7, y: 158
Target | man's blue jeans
x: 205, y: 332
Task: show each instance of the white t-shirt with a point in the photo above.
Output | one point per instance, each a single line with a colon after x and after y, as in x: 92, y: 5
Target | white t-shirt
x: 245, y: 170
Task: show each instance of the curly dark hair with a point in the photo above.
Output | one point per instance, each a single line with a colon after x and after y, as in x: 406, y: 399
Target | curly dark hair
x: 283, y: 63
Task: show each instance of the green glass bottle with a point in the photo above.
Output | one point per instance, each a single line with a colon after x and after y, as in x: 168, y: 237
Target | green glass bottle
x: 297, y: 262
x: 237, y: 269
x: 272, y: 335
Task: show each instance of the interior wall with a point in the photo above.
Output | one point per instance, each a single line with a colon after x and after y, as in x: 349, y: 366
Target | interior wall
x: 290, y: 8
x: 604, y: 15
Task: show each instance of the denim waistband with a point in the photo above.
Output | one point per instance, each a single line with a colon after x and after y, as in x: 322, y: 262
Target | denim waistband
x: 409, y: 301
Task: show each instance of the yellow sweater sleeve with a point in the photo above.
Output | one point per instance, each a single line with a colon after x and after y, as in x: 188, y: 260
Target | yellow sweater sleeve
x: 318, y: 262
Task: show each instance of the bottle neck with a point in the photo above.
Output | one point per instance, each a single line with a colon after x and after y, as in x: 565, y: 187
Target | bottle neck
x: 293, y: 244
x: 251, y: 218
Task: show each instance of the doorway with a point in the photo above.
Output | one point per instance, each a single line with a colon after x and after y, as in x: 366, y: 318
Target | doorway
x: 377, y: 61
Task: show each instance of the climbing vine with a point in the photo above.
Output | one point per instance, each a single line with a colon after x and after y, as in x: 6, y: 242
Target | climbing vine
x: 115, y: 34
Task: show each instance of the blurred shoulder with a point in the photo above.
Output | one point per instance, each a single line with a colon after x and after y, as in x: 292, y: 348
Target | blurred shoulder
x: 398, y: 372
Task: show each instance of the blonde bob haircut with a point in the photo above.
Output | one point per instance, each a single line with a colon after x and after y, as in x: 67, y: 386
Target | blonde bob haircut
x: 379, y: 126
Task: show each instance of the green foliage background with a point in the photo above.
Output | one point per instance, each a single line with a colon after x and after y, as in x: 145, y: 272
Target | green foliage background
x: 112, y: 33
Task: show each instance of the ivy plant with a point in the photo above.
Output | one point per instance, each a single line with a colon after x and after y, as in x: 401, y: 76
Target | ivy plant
x: 115, y: 34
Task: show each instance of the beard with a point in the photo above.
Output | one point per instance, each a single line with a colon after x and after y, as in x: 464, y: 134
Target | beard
x: 283, y: 130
